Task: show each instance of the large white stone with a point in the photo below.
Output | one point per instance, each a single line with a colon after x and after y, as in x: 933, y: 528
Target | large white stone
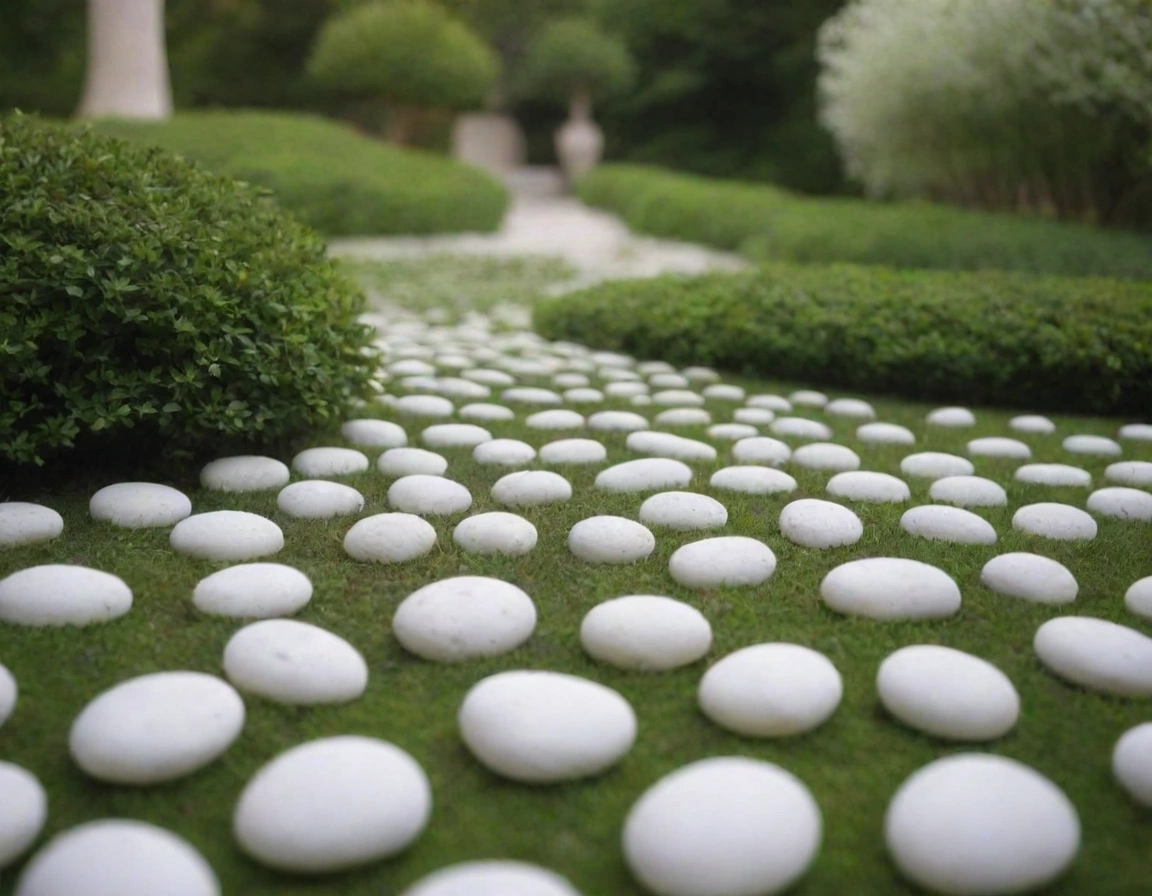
x: 610, y: 539
x: 668, y: 381
x: 1030, y: 577
x: 890, y: 588
x: 573, y: 451
x: 1059, y: 475
x: 699, y: 374
x: 683, y: 510
x: 531, y: 488
x: 1101, y: 446
x: 771, y: 690
x: 853, y: 408
x: 665, y: 444
x: 25, y: 523
x: 1097, y: 654
x: 319, y: 463
x: 723, y: 826
x: 808, y: 398
x: 488, y: 377
x: 976, y: 824
x: 504, y: 453
x: 428, y: 495
x: 486, y: 411
x: 319, y: 499
x: 458, y: 387
x: 583, y: 396
x: 885, y: 434
x: 569, y: 380
x: 530, y: 395
x: 999, y: 446
x: 826, y: 456
x: 424, y: 406
x: 1137, y: 432
x: 495, y: 533
x: 454, y: 435
x: 253, y: 590
x: 646, y: 633
x: 226, y: 535
x: 117, y: 857
x: 245, y: 473
x: 389, y: 538
x: 331, y: 804
x: 952, y: 418
x: 678, y: 398
x: 683, y: 417
x: 9, y: 692
x: 494, y: 877
x: 1122, y: 503
x: 1138, y: 597
x: 411, y: 367
x: 543, y: 727
x: 863, y: 485
x: 137, y: 505
x: 936, y: 465
x: 968, y: 491
x: 397, y: 462
x: 752, y: 480
x: 753, y: 416
x: 813, y: 523
x: 761, y: 450
x: 648, y: 474
x: 1128, y: 472
x: 724, y: 561
x: 374, y: 433
x: 617, y: 421
x: 723, y: 392
x: 23, y: 813
x: 61, y: 594
x: 1131, y: 764
x: 731, y: 432
x: 775, y: 403
x: 947, y: 693
x: 952, y: 524
x: 1059, y: 521
x: 1033, y: 424
x: 156, y: 727
x: 556, y: 419
x: 626, y: 390
x: 801, y: 428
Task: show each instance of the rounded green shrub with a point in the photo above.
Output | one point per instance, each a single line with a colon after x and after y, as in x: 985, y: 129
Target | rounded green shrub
x: 150, y: 307
x: 572, y: 56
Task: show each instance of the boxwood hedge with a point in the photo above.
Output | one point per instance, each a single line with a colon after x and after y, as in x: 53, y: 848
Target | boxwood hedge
x: 993, y: 338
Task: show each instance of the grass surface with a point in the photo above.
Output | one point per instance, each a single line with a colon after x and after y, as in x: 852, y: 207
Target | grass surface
x: 852, y: 764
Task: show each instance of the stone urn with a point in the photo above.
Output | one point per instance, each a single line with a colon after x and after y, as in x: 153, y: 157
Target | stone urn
x: 579, y: 141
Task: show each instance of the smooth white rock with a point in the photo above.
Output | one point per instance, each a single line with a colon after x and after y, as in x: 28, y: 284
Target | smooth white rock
x: 1139, y: 432
x: 666, y: 444
x: 771, y: 690
x: 648, y: 474
x: 853, y: 408
x: 156, y: 727
x: 458, y: 387
x: 654, y: 368
x: 936, y: 465
x: 1131, y: 764
x: 999, y: 446
x: 801, y: 428
x: 9, y: 692
x: 1130, y: 472
x: 890, y: 588
x: 699, y: 374
x: 493, y: 877
x: 826, y: 456
x: 813, y: 523
x: 761, y: 450
x: 464, y: 618
x: 640, y: 401
x: 583, y: 396
x: 531, y: 488
x: 424, y: 406
x: 968, y: 491
x: 951, y: 417
x: 776, y: 403
x: 684, y: 511
x: 668, y: 381
x: 885, y: 434
x: 556, y: 419
x: 397, y: 462
x: 753, y: 416
x: 617, y: 421
x: 573, y: 451
x: 226, y: 535
x: 421, y: 384
x: 428, y: 495
x: 257, y: 590
x: 947, y: 693
x: 864, y: 485
x: 485, y: 411
x: 1098, y: 445
x: 1059, y: 475
x: 495, y: 533
x: 1030, y: 577
x: 1138, y: 597
x: 455, y: 435
x: 530, y: 395
x: 977, y: 824
x: 683, y: 417
x: 374, y: 433
x: 331, y: 804
x: 1060, y: 521
x: 488, y: 377
x: 952, y: 524
x: 678, y: 398
x: 543, y: 727
x: 1033, y: 424
x: 626, y: 390
x: 723, y: 826
x: 725, y: 561
x: 723, y: 392
x: 22, y: 813
x: 731, y: 432
x: 62, y: 594
x: 808, y: 398
x: 504, y: 453
x: 646, y: 633
x: 24, y: 523
x: 245, y: 473
x: 752, y: 480
x: 137, y: 505
x: 1122, y: 503
x: 389, y: 538
x: 319, y: 499
x: 610, y: 539
x: 411, y: 367
x: 568, y: 380
x: 317, y: 463
x: 1097, y: 654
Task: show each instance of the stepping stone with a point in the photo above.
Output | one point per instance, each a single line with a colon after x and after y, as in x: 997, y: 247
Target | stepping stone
x: 826, y: 456
x: 422, y: 384
x: 641, y: 400
x: 245, y: 473
x: 583, y: 396
x: 136, y: 505
x: 1030, y: 577
x: 530, y: 395
x: 25, y: 523
x: 487, y: 377
x: 424, y: 406
x: 626, y: 390
x: 947, y: 693
x: 1058, y: 475
x: 951, y: 418
x: 318, y: 499
x: 888, y: 588
x: 808, y: 398
x: 683, y: 511
x: 458, y: 387
x: 1138, y: 432
x: 665, y: 444
x: 504, y: 453
x: 852, y: 408
x: 761, y: 450
x: 226, y: 535
x: 573, y: 451
x: 649, y: 474
x: 411, y: 367
x: 752, y: 416
x: 374, y: 800
x: 318, y: 463
x: 753, y: 480
x: 885, y: 434
x: 428, y: 495
x: 495, y: 533
x: 1032, y: 424
x: 1122, y: 503
x: 294, y: 663
x: 1059, y: 521
x: 1126, y: 472
x: 568, y: 381
x: 374, y: 433
x: 669, y: 381
x: 998, y: 446
x: 60, y: 594
x: 389, y: 538
x: 615, y: 375
x: 701, y: 374
x: 544, y: 727
x: 776, y: 403
x: 455, y: 435
x: 936, y: 465
x: 612, y: 359
x: 863, y: 485
x: 678, y: 398
x: 1097, y: 655
x: 729, y: 561
x: 771, y: 690
x: 531, y: 488
x: 487, y: 412
x: 801, y: 428
x: 398, y: 462
x: 557, y: 419
x: 8, y: 696
x: 25, y: 811
x: 653, y: 368
x: 683, y: 417
x: 156, y: 727
x: 1131, y: 764
x: 723, y: 392
x: 617, y: 421
x: 645, y: 633
x: 1138, y: 597
x: 492, y: 877
x: 134, y: 858
x: 1097, y: 445
x: 610, y: 539
x: 724, y: 825
x: 259, y: 590
x: 731, y: 432
x: 952, y: 524
x: 980, y: 823
x: 813, y: 523
x: 968, y: 491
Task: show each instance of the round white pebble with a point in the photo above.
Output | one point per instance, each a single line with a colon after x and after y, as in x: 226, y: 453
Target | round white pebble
x: 826, y: 456
x: 319, y: 499
x: 583, y: 396
x: 1101, y: 446
x: 853, y: 408
x: 952, y: 524
x: 399, y: 462
x: 25, y: 523
x: 504, y: 453
x: 774, y: 403
x: 863, y: 485
x: 951, y: 418
x: 530, y: 395
x: 60, y: 594
x: 1131, y: 764
x: 808, y: 398
x: 495, y: 533
x: 752, y: 480
x: 936, y: 465
x: 318, y: 463
x: 1128, y: 472
x: 801, y: 428
x: 678, y: 398
x: 683, y: 417
x: 999, y: 446
x: 727, y: 561
x: 700, y: 374
x: 492, y: 878
x: 389, y: 538
x: 424, y: 406
x: 617, y: 421
x: 9, y: 692
x: 138, y: 505
x: 610, y: 539
x: 723, y: 392
x: 1032, y: 424
x: 226, y: 535
x: 484, y: 411
x: 374, y: 433
x: 24, y: 813
x: 731, y: 432
x: 1059, y: 475
x: 753, y: 416
x: 253, y: 590
x: 1059, y: 521
x: 1030, y: 577
x: 761, y: 450
x: 645, y: 633
x: 968, y: 491
x: 531, y: 488
x: 557, y: 419
x: 428, y: 495
x: 684, y: 511
x: 1122, y: 503
x: 1097, y: 654
x: 890, y: 588
x: 885, y: 434
x: 245, y: 473
x: 649, y: 474
x: 665, y: 444
x: 454, y: 435
x: 626, y: 390
x: 1138, y: 597
x: 1138, y: 432
x: 573, y: 451
x: 813, y: 523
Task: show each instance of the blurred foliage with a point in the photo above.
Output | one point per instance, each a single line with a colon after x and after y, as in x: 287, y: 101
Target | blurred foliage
x: 573, y: 56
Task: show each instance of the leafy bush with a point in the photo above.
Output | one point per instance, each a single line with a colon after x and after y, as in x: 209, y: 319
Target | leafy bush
x: 334, y: 179
x: 150, y: 306
x: 573, y: 56
x: 1008, y: 339
x: 769, y: 223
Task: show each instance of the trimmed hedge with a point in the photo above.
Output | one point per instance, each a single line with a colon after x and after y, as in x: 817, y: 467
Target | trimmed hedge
x: 767, y: 223
x: 151, y: 308
x: 993, y: 338
x: 338, y: 181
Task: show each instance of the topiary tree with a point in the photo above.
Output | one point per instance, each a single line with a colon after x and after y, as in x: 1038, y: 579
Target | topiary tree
x: 153, y: 308
x: 411, y: 54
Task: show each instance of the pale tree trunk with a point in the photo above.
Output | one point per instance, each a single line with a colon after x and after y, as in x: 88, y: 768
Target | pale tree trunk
x: 127, y: 69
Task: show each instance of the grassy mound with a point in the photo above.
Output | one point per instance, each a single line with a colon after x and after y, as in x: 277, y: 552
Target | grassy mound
x: 336, y: 180
x: 769, y: 223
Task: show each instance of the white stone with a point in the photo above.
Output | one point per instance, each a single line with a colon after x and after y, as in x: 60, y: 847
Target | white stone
x: 976, y: 824
x: 641, y: 401
x: 485, y: 411
x: 617, y: 421
x: 294, y: 663
x: 701, y: 374
x: 801, y: 428
x: 1030, y: 577
x: 583, y: 396
x: 455, y: 435
x: 424, y: 406
x: 318, y: 463
x: 1098, y: 445
x: 610, y: 539
x: 1097, y: 654
x: 1130, y: 472
x: 776, y: 403
x: 318, y: 499
x: 531, y: 488
x: 543, y: 727
x: 678, y: 398
x: 771, y: 690
x: 648, y: 474
x: 1060, y: 521
x: 808, y: 398
x: 683, y: 417
x: 495, y: 533
x: 1138, y: 597
x: 684, y: 511
x: 25, y: 809
x: 626, y: 390
x: 389, y: 538
x: 753, y: 416
x: 411, y: 367
x: 753, y: 480
x: 853, y: 408
x: 654, y: 368
x: 397, y: 462
x: 458, y: 387
x: 245, y: 473
x: 492, y: 878
x: 1131, y: 764
x: 864, y: 485
x: 504, y: 453
x: 374, y: 433
x: 331, y: 804
x: 953, y: 418
x: 1060, y: 475
x: 761, y: 450
x: 60, y: 594
x: 885, y: 434
x: 723, y: 826
x: 1122, y: 503
x: 999, y: 446
x: 573, y: 451
x: 646, y: 633
x: 947, y: 693
x: 428, y: 495
x: 890, y: 588
x: 730, y: 561
x: 666, y: 444
x: 936, y: 465
x: 826, y: 456
x: 1138, y: 432
x: 488, y: 377
x: 569, y: 381
x: 226, y: 535
x: 813, y: 523
x: 723, y: 392
x: 556, y: 419
x: 25, y: 523
x: 256, y: 590
x: 968, y: 491
x: 530, y: 395
x: 731, y: 432
x: 612, y: 359
x: 1032, y: 424
x: 117, y: 857
x: 137, y: 505
x: 9, y: 692
x: 952, y: 524
x: 668, y: 381
x: 156, y: 727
